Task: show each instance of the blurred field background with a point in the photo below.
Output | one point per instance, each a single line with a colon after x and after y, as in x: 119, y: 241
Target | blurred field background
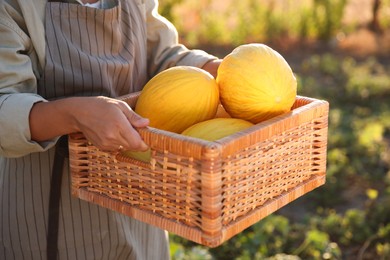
x: 340, y: 52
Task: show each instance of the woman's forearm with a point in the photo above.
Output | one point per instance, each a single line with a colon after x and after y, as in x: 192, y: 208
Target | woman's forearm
x: 51, y: 119
x: 108, y: 123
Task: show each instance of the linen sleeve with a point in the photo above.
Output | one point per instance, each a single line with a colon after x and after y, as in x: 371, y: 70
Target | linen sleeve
x: 164, y: 51
x: 18, y: 88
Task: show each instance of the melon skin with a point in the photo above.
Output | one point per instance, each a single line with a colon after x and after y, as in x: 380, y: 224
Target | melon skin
x: 144, y: 156
x: 216, y: 128
x: 256, y: 83
x: 178, y: 97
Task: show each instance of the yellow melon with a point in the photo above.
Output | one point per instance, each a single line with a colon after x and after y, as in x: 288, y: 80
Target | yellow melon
x: 179, y: 97
x: 256, y: 83
x: 139, y: 156
x: 216, y: 128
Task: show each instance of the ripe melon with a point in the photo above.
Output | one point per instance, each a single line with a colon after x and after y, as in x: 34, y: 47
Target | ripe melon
x: 216, y: 128
x: 256, y: 83
x: 179, y: 97
x: 139, y: 156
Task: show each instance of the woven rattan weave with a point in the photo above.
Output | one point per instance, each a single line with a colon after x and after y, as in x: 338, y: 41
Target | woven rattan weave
x: 205, y: 191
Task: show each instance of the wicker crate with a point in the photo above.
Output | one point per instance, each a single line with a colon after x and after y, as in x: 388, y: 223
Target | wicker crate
x: 204, y: 191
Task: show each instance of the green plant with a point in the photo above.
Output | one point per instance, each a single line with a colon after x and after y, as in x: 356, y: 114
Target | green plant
x: 327, y: 16
x: 166, y: 8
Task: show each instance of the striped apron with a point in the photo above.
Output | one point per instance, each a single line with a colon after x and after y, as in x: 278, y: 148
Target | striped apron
x: 89, y: 52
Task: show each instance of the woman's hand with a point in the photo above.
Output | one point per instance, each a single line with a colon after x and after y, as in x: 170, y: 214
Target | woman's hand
x: 108, y: 123
x: 212, y: 67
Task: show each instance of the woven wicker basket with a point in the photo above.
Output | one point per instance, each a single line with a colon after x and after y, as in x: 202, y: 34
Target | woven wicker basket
x: 204, y: 191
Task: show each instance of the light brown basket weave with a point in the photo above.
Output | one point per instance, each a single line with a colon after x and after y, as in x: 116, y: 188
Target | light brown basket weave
x: 204, y: 191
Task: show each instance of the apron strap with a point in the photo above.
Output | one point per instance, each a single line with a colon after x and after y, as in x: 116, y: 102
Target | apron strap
x: 61, y: 152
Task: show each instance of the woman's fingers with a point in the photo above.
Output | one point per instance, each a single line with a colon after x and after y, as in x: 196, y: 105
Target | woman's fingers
x: 130, y: 134
x: 111, y: 124
x: 135, y: 120
x: 132, y: 140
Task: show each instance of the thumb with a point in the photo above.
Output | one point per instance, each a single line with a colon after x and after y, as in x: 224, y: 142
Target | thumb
x: 137, y: 120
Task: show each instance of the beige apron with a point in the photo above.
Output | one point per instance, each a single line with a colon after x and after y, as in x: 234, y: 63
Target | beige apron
x: 93, y: 51
x: 89, y: 52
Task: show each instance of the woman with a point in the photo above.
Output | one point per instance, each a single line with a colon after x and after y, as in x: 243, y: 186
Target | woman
x: 61, y: 66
